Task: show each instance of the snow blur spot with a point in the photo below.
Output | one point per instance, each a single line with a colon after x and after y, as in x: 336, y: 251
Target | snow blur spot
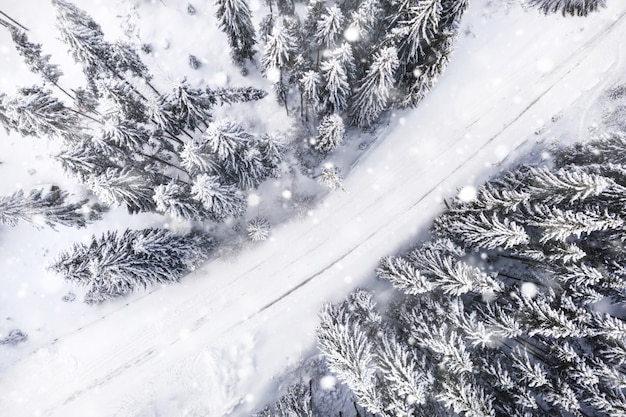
x: 544, y: 65
x: 220, y: 79
x: 517, y: 99
x: 528, y: 289
x: 417, y: 72
x: 501, y: 151
x: 351, y: 34
x: 273, y: 74
x: 545, y: 156
x: 4, y: 49
x: 328, y: 383
x: 519, y: 32
x: 468, y: 194
x: 255, y: 5
x: 402, y: 121
x: 348, y: 279
x: 183, y: 334
x: 286, y: 194
x: 254, y: 200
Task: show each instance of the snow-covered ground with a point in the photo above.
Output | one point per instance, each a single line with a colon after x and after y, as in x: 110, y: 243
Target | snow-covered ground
x: 212, y: 344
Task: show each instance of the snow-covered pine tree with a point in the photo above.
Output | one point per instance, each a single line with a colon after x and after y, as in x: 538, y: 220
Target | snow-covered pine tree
x: 33, y: 57
x: 346, y: 57
x: 568, y: 7
x: 278, y: 54
x: 258, y: 229
x: 310, y: 87
x: 121, y: 98
x: 234, y: 95
x: 560, y: 225
x: 569, y: 183
x: 118, y: 263
x: 279, y: 49
x: 191, y: 107
x: 364, y: 22
x: 220, y: 200
x: 350, y: 354
x: 129, y: 187
x: 375, y: 90
x: 47, y: 208
x: 336, y: 86
x: 295, y: 403
x: 314, y: 11
x: 234, y: 18
x: 478, y: 230
x: 34, y: 111
x: 329, y: 27
x: 330, y: 177
x: 330, y: 133
x: 174, y: 198
x: 225, y: 138
x: 85, y: 39
x: 418, y: 29
x: 126, y: 60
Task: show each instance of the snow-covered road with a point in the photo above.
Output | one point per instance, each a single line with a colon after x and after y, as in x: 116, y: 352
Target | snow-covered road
x: 511, y: 74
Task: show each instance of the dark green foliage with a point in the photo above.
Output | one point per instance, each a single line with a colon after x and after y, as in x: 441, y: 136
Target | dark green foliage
x: 118, y: 263
x: 514, y: 307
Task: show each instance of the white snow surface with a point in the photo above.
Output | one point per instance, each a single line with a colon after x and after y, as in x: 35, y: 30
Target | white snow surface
x: 211, y: 345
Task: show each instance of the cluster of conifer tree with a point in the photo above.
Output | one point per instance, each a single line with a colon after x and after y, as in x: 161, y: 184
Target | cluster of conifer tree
x: 514, y: 307
x: 356, y: 59
x: 134, y: 147
x: 131, y: 144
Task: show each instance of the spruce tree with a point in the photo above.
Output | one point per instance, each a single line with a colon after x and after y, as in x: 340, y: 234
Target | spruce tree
x: 310, y: 86
x: 85, y: 39
x: 329, y: 27
x: 118, y: 263
x: 234, y: 18
x: 220, y: 200
x: 258, y: 229
x: 33, y: 57
x: 336, y: 84
x: 34, y: 111
x: 127, y: 187
x: 47, y: 208
x: 330, y: 133
x: 374, y: 93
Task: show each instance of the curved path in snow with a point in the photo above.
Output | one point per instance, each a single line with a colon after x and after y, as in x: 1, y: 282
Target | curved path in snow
x: 511, y: 74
